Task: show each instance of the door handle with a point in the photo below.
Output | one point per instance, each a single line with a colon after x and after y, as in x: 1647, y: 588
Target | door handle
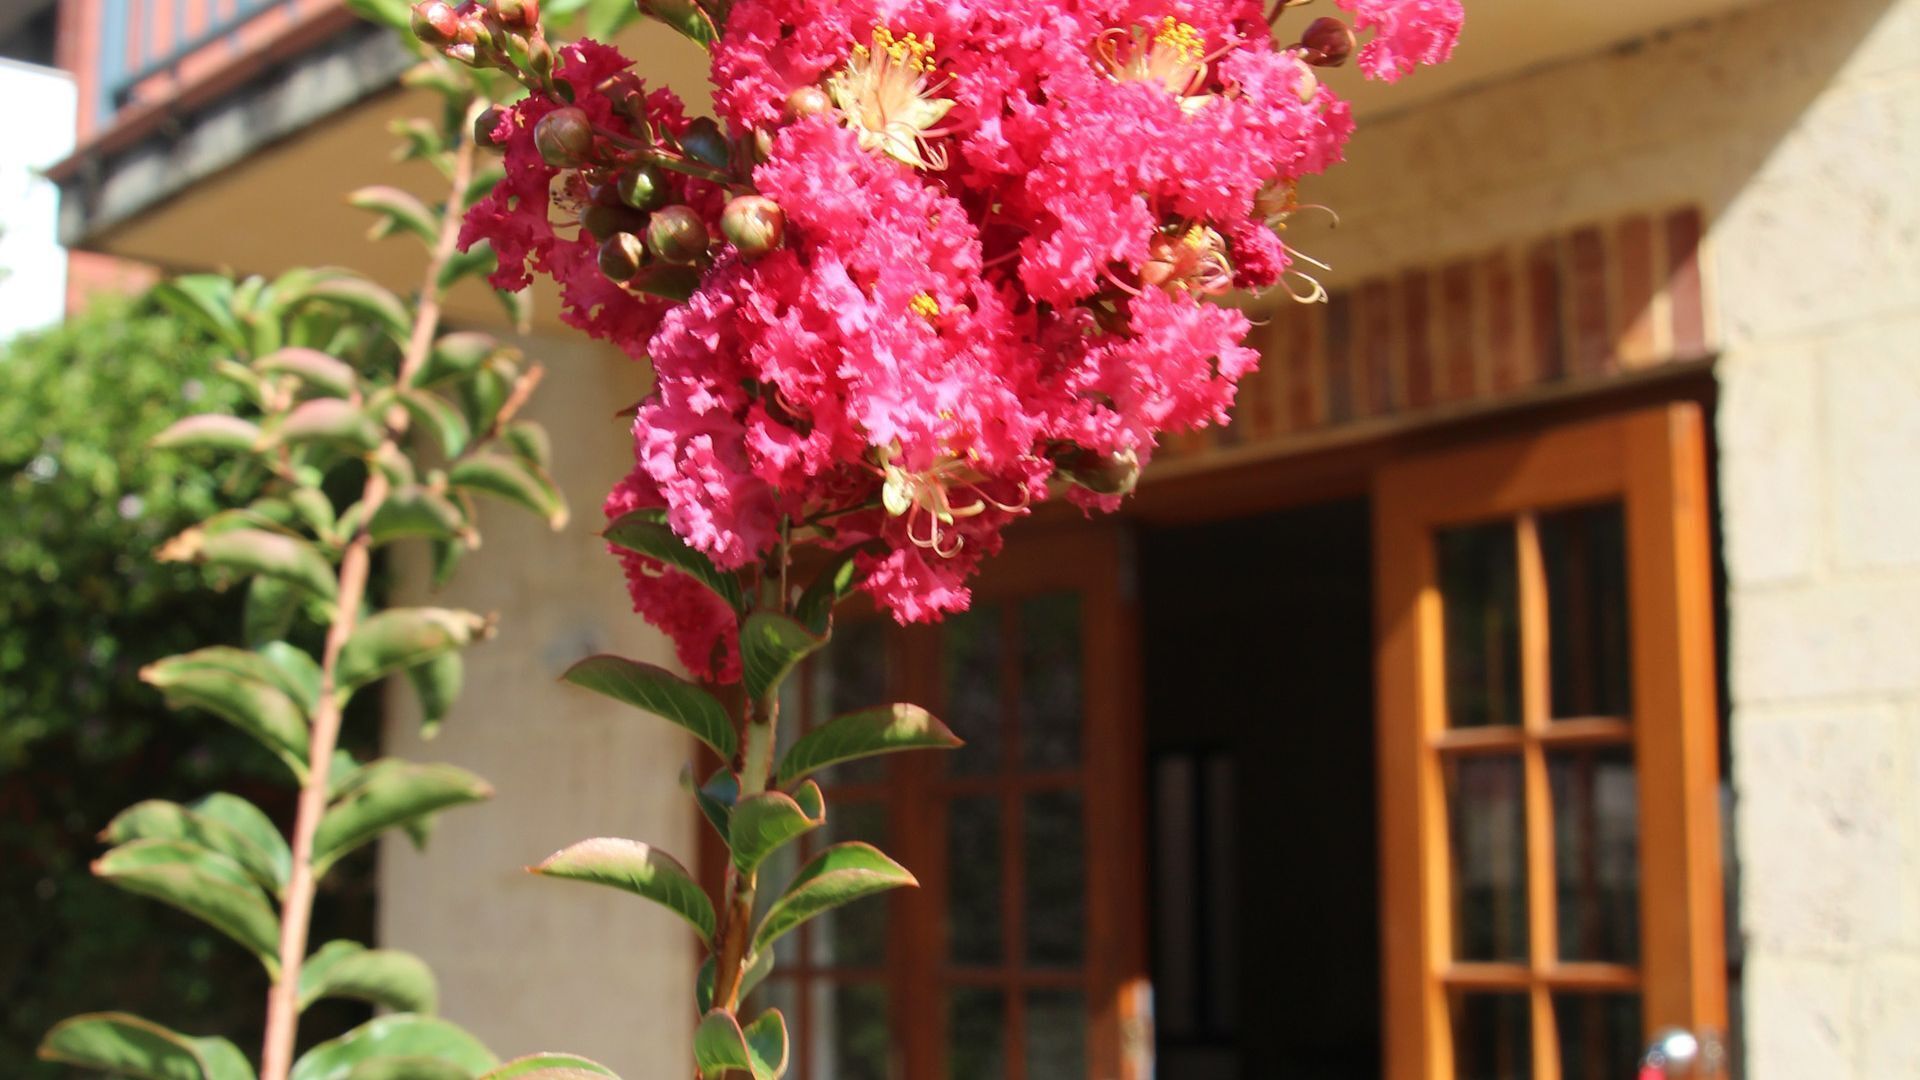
x: 1679, y: 1054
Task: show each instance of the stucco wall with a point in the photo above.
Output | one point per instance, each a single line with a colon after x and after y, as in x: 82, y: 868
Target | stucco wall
x: 531, y: 964
x: 1796, y: 128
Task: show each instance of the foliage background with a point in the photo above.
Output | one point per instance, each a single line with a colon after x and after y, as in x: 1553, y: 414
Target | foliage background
x: 83, y: 605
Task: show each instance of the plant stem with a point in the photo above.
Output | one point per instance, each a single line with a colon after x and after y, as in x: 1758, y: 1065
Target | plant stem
x: 296, y: 911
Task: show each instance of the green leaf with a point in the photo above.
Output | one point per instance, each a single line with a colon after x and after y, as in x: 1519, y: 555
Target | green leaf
x: 815, y: 607
x: 256, y: 551
x: 838, y: 875
x: 386, y: 793
x: 660, y: 692
x: 413, y: 510
x: 437, y: 684
x: 401, y: 1035
x: 206, y: 299
x: 209, y: 431
x: 363, y: 298
x: 639, y: 869
x: 689, y: 18
x: 409, y: 1068
x: 642, y: 532
x: 402, y: 637
x: 206, y: 885
x: 328, y: 420
x: 761, y: 824
x: 327, y: 374
x: 270, y: 607
x: 715, y: 797
x: 389, y: 978
x: 759, y: 966
x: 550, y: 1067
x: 476, y: 260
x: 296, y: 672
x: 529, y: 440
x: 245, y: 840
x: 767, y: 1045
x: 315, y: 510
x: 770, y: 645
x: 448, y: 424
x: 456, y: 355
x: 881, y: 730
x: 398, y: 210
x: 719, y: 1045
x: 241, y: 688
x: 514, y: 480
x: 126, y: 1045
x: 390, y: 13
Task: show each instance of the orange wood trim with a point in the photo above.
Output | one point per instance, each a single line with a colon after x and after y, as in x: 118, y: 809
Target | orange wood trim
x: 1493, y: 739
x: 1543, y: 944
x: 1671, y: 597
x: 1586, y: 731
x: 1590, y: 977
x: 1475, y: 976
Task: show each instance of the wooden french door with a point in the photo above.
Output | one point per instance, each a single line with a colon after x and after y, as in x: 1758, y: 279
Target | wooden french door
x: 1021, y: 956
x: 1551, y: 880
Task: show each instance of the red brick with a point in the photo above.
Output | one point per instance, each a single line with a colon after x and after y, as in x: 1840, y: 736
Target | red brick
x: 1685, y: 299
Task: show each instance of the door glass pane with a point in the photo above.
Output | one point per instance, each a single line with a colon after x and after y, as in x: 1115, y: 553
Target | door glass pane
x: 1492, y: 1037
x: 1050, y: 709
x: 1055, y: 879
x: 854, y: 935
x: 850, y: 675
x: 1600, y: 1035
x: 851, y: 1022
x: 1488, y: 838
x: 971, y: 647
x: 973, y: 874
x: 780, y: 866
x: 976, y: 1033
x: 1479, y: 592
x: 1596, y: 853
x: 1584, y: 554
x: 1056, y: 1035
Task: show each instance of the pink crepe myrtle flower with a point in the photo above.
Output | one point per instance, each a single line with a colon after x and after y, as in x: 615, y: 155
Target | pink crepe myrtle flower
x: 1005, y: 227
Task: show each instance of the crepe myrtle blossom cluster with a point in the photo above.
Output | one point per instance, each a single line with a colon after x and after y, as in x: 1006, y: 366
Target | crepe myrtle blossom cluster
x: 934, y: 256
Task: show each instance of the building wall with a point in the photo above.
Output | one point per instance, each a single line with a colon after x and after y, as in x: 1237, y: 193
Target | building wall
x: 527, y: 963
x: 1797, y: 132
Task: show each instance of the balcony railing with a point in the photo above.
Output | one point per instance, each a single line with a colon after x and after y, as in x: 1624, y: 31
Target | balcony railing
x: 133, y: 56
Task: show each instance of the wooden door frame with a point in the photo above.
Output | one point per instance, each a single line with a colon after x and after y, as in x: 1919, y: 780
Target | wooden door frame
x: 1654, y: 460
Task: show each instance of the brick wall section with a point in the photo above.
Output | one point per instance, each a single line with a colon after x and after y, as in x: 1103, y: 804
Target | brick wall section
x: 1576, y: 308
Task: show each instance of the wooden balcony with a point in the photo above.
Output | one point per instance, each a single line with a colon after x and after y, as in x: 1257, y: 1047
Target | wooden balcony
x: 137, y: 63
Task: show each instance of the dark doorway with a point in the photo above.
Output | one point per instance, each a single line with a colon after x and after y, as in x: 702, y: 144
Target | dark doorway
x: 1258, y: 648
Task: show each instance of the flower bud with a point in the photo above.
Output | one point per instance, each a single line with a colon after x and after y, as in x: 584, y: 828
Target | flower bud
x: 622, y: 255
x: 484, y: 126
x: 435, y: 23
x: 704, y: 143
x: 807, y: 101
x: 1327, y: 43
x: 677, y: 235
x: 564, y: 137
x: 642, y: 187
x: 1112, y: 473
x: 626, y: 93
x: 753, y: 223
x: 603, y: 221
x: 521, y: 13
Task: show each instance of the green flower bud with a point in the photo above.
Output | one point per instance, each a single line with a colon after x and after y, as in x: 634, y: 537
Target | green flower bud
x: 1327, y: 43
x: 434, y: 22
x: 1103, y: 474
x: 753, y: 223
x: 643, y: 187
x: 705, y: 143
x: 677, y: 235
x: 808, y: 101
x: 603, y: 221
x: 483, y: 127
x: 564, y: 137
x: 521, y: 13
x: 621, y: 256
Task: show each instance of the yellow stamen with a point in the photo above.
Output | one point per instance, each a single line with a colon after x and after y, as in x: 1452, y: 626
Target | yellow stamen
x: 889, y: 95
x: 925, y: 306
